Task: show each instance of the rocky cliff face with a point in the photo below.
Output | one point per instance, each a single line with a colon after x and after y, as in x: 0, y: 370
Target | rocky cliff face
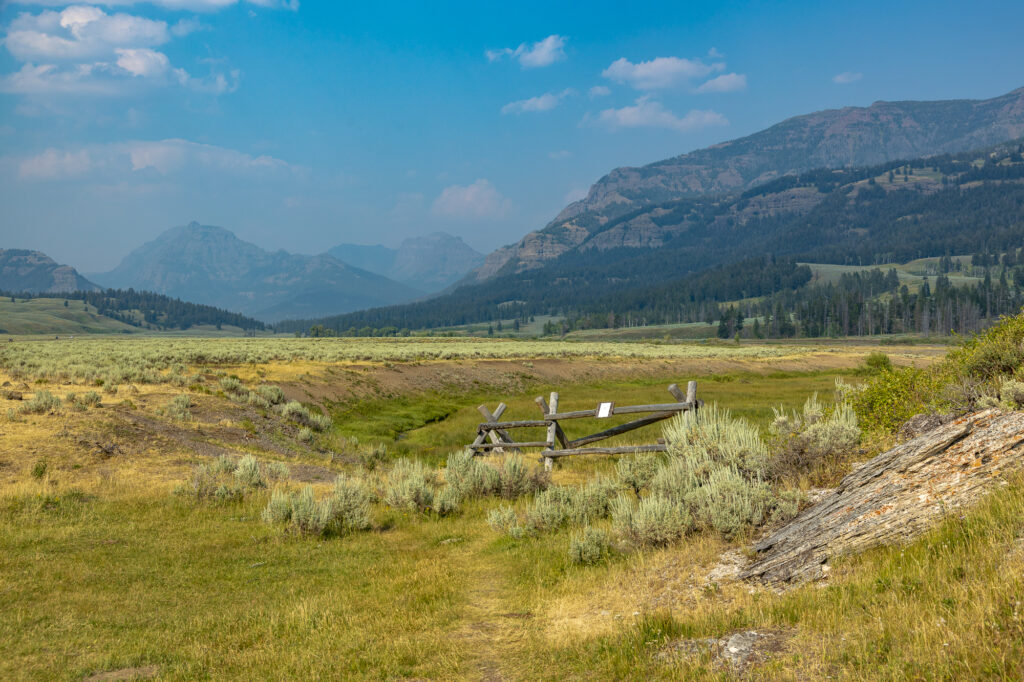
x: 852, y: 136
x: 37, y: 273
x: 206, y: 264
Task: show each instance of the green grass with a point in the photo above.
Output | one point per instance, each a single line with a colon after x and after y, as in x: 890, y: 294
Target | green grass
x: 432, y: 425
x: 49, y: 316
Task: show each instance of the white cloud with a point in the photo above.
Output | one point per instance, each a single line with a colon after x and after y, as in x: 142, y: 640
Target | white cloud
x: 82, y: 50
x: 847, y: 77
x: 530, y: 56
x: 78, y: 33
x: 727, y: 82
x: 163, y: 157
x: 648, y: 113
x: 659, y: 73
x: 194, y: 5
x: 186, y: 26
x: 476, y: 201
x: 143, y: 62
x: 599, y: 91
x: 53, y: 164
x: 559, y: 155
x: 544, y: 102
x: 713, y: 53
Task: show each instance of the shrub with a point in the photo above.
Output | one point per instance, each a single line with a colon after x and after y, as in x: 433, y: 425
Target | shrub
x: 43, y: 402
x: 232, y: 386
x: 802, y: 440
x: 1011, y: 392
x: 272, y: 394
x: 305, y: 517
x: 590, y: 546
x: 471, y: 476
x: 110, y: 388
x: 276, y: 471
x: 551, y: 509
x: 710, y: 437
x: 248, y: 473
x: 279, y: 509
x: 447, y: 501
x: 347, y: 508
x: 297, y: 412
x: 637, y: 471
x: 728, y: 502
x: 653, y: 521
x: 877, y: 361
x: 39, y: 469
x: 410, y: 486
x: 178, y: 408
x: 503, y: 520
x: 305, y: 435
x: 371, y: 456
x: 226, y: 479
x: 89, y: 399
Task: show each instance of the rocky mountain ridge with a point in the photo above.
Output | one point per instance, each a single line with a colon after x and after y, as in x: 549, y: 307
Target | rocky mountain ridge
x: 22, y: 270
x: 836, y: 138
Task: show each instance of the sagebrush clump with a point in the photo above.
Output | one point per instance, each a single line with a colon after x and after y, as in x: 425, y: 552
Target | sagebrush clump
x: 345, y: 510
x: 43, y: 402
x: 226, y: 479
x: 803, y: 440
x: 590, y: 546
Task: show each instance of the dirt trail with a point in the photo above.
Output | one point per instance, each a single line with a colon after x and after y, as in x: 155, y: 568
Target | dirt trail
x: 490, y: 632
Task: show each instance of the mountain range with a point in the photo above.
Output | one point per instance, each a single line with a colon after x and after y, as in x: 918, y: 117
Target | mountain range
x: 210, y: 265
x: 429, y: 264
x: 836, y: 138
x: 641, y: 253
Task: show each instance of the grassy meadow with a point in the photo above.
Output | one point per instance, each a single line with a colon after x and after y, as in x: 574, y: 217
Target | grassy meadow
x: 106, y: 570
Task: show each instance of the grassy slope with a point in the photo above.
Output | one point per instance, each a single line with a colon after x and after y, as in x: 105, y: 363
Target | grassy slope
x: 49, y: 316
x: 124, y: 574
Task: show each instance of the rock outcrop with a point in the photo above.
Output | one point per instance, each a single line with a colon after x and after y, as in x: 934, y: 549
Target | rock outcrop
x: 895, y: 496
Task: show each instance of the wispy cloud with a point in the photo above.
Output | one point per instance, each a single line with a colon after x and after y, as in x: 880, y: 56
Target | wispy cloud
x: 599, y: 91
x: 649, y: 113
x: 559, y: 155
x: 162, y: 157
x: 530, y: 56
x: 659, y: 73
x: 545, y: 102
x: 480, y: 200
x: 193, y: 5
x: 847, y: 77
x: 727, y: 82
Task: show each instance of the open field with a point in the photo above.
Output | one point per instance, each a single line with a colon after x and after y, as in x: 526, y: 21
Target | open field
x: 104, y: 569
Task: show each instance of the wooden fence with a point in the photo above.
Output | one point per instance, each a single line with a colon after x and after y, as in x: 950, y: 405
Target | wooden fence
x: 557, y: 444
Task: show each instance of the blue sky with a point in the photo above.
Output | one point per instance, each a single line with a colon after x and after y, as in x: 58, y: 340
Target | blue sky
x: 300, y: 125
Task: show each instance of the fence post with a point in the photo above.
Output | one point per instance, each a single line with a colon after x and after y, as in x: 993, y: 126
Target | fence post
x: 552, y: 431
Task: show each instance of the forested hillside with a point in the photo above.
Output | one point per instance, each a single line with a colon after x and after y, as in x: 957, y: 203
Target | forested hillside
x: 705, y: 252
x: 136, y: 309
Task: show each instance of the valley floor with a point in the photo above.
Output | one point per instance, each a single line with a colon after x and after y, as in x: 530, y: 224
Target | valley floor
x: 105, y: 571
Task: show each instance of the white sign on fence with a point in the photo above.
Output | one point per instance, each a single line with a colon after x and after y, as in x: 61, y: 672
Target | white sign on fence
x: 604, y: 410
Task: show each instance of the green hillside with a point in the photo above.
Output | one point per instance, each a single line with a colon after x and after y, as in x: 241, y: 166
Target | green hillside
x: 51, y: 316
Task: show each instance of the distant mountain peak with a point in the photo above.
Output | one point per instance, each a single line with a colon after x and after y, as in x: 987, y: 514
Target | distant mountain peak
x: 429, y: 262
x: 211, y: 265
x: 23, y: 270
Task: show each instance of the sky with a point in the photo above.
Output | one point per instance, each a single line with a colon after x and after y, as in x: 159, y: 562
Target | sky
x: 302, y: 124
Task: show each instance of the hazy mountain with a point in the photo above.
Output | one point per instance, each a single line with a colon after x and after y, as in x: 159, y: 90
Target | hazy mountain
x: 965, y: 204
x: 210, y: 265
x: 35, y: 272
x: 836, y: 138
x: 428, y: 263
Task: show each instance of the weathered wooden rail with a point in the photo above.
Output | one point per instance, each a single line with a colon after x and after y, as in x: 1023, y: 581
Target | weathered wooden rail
x: 557, y: 444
